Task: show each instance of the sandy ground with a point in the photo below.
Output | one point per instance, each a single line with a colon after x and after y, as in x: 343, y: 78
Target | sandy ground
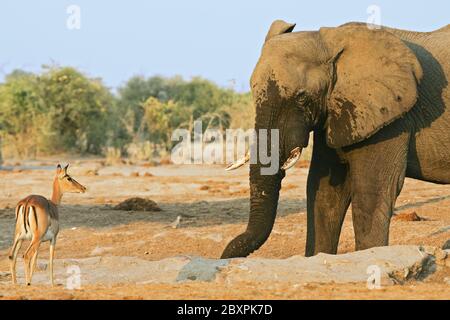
x: 213, y: 205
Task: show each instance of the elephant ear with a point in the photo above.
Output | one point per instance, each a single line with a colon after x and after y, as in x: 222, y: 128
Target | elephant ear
x: 279, y: 27
x: 375, y: 77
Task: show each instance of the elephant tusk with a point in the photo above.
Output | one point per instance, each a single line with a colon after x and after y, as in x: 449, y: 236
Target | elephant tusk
x: 293, y: 158
x: 239, y: 163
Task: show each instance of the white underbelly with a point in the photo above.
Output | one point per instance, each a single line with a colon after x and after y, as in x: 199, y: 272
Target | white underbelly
x: 49, y: 235
x: 26, y: 236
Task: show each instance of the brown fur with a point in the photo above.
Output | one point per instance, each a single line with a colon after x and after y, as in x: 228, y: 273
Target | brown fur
x: 37, y: 218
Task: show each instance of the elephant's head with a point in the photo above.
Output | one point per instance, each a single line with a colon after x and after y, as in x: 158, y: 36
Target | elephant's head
x: 348, y: 81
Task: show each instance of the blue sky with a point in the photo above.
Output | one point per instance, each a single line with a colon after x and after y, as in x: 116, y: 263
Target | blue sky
x: 218, y: 40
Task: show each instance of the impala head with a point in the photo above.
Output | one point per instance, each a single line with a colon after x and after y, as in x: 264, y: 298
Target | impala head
x: 66, y: 183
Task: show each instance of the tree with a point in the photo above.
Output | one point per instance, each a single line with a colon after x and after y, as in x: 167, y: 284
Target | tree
x: 202, y: 95
x: 161, y: 118
x: 21, y: 110
x: 60, y: 110
x: 199, y: 98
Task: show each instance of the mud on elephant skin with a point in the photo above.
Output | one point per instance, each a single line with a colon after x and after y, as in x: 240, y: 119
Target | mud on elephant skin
x: 376, y: 101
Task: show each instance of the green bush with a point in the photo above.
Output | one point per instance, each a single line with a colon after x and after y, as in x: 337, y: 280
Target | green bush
x: 60, y: 110
x: 153, y: 108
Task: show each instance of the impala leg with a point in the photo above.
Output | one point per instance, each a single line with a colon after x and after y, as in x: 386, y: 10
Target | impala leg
x: 52, y: 254
x: 33, y: 262
x: 13, y: 258
x: 27, y: 265
x: 30, y: 259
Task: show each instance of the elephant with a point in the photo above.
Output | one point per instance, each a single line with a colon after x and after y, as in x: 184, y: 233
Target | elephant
x: 376, y: 102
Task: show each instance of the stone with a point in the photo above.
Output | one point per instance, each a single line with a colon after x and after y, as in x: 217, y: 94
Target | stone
x: 396, y: 264
x: 446, y: 245
x: 137, y: 204
x: 408, y: 216
x: 393, y: 265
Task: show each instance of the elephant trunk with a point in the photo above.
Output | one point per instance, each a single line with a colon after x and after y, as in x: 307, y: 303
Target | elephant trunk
x: 265, y: 188
x: 264, y: 193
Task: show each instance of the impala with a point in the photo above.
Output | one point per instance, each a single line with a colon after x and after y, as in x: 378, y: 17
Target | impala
x: 37, y: 220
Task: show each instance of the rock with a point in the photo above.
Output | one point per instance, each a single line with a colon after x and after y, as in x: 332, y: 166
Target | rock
x: 441, y: 256
x: 165, y: 161
x: 395, y: 264
x: 201, y: 269
x: 149, y: 164
x: 408, y: 216
x: 137, y: 204
x: 91, y: 172
x: 176, y: 224
x: 446, y: 245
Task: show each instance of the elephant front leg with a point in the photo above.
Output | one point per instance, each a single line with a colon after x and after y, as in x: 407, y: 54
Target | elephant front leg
x: 328, y: 198
x: 377, y: 177
x: 372, y: 208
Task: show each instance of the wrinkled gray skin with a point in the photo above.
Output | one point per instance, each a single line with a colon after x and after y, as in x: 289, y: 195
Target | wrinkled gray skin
x: 377, y: 104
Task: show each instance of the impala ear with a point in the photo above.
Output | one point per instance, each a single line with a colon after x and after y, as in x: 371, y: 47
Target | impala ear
x: 59, y: 170
x: 65, y: 168
x: 279, y: 27
x: 375, y: 77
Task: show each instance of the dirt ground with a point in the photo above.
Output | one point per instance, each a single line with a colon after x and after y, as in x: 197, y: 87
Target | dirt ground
x: 213, y: 205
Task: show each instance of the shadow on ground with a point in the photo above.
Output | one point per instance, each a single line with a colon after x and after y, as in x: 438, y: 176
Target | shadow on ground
x: 196, y: 214
x: 422, y: 203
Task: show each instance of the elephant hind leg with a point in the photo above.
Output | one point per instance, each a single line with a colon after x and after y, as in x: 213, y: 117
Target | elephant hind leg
x: 328, y: 198
x: 377, y: 177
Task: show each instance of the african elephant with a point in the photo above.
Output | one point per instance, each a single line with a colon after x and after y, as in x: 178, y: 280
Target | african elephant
x: 377, y: 103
